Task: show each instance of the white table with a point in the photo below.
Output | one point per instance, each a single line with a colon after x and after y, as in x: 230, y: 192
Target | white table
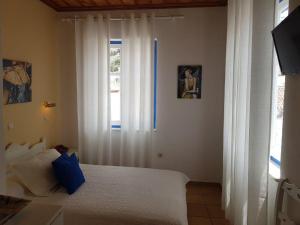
x: 38, y: 214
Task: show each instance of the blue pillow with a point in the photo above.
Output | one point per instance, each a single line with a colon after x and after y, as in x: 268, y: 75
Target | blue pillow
x: 68, y: 172
x: 72, y: 157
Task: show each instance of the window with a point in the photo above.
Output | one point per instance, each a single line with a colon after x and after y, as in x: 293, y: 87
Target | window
x: 282, y: 9
x: 115, y: 83
x: 155, y: 85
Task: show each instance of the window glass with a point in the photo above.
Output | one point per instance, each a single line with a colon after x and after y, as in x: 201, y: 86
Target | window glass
x: 277, y: 101
x: 115, y: 92
x: 115, y: 59
x: 115, y: 83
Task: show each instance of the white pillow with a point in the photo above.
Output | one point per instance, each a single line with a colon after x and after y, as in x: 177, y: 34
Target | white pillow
x: 48, y: 156
x: 19, y: 153
x: 37, y: 173
x: 13, y: 188
x: 15, y: 151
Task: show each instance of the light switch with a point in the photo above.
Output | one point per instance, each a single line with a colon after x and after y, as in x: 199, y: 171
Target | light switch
x: 11, y: 125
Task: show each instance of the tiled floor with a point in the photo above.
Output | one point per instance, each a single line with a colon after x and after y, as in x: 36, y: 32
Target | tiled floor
x: 204, y: 204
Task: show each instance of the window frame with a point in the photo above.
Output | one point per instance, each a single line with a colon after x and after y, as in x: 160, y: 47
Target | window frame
x: 115, y: 43
x: 155, y: 62
x: 116, y: 125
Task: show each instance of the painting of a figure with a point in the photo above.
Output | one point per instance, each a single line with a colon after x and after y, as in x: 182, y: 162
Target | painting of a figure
x: 189, y: 82
x: 17, y: 78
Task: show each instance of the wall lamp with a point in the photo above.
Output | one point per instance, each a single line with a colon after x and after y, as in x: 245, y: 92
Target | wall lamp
x: 49, y: 104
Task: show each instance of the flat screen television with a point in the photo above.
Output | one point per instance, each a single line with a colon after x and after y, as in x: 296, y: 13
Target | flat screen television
x: 286, y: 38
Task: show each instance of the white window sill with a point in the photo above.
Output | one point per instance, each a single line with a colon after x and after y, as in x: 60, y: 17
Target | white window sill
x: 274, y: 170
x: 119, y: 129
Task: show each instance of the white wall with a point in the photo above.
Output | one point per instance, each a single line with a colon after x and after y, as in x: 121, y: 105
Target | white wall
x: 291, y: 132
x: 290, y: 143
x: 189, y: 132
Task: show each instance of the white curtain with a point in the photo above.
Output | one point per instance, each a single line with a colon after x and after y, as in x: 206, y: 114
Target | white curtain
x: 93, y: 95
x: 236, y: 111
x: 136, y: 90
x: 247, y: 111
x: 92, y: 68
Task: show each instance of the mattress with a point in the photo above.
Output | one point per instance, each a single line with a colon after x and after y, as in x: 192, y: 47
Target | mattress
x: 124, y: 196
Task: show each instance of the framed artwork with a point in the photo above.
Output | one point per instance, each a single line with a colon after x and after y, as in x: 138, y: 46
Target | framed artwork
x: 17, y: 79
x: 189, y: 82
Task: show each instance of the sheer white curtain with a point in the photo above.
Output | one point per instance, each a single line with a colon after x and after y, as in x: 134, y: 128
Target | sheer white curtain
x: 92, y: 65
x: 236, y: 111
x: 93, y: 92
x: 247, y: 111
x: 136, y: 90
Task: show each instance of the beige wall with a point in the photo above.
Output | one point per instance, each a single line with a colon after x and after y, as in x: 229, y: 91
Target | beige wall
x: 67, y: 81
x: 192, y: 145
x: 189, y: 132
x: 2, y: 160
x: 29, y: 31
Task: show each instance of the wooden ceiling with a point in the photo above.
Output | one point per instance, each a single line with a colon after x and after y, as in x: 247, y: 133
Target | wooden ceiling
x: 85, y: 5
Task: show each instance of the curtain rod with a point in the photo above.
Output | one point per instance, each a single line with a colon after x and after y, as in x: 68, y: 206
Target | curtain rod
x: 74, y: 18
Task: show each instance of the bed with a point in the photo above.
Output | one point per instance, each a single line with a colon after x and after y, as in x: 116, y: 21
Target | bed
x: 119, y: 195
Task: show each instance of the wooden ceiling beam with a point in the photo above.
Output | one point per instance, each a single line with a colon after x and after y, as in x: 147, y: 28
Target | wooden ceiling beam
x: 51, y: 4
x: 121, y: 5
x: 71, y: 2
x: 142, y: 2
x: 115, y: 2
x: 67, y: 3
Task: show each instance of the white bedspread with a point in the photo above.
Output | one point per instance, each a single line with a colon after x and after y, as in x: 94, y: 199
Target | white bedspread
x: 124, y: 196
